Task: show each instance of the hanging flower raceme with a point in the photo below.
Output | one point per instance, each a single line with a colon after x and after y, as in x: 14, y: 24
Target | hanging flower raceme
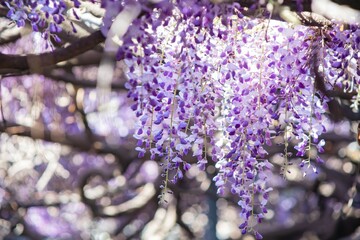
x: 175, y: 98
x: 46, y: 17
x: 342, y: 63
x: 209, y: 81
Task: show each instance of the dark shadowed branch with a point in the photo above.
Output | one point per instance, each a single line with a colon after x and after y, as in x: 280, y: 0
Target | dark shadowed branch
x: 35, y: 63
x: 70, y: 78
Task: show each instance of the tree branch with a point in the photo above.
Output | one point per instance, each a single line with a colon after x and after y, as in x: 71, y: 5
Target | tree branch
x: 35, y: 63
x: 69, y: 78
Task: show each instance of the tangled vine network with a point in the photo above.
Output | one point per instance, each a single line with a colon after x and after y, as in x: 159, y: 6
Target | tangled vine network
x: 219, y: 81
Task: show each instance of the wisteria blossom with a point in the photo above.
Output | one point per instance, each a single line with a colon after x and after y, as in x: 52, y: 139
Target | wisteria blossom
x: 44, y: 16
x: 209, y: 83
x: 221, y: 86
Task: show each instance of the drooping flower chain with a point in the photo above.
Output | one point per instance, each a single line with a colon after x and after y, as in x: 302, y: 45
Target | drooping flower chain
x: 223, y: 88
x: 342, y: 60
x: 45, y: 16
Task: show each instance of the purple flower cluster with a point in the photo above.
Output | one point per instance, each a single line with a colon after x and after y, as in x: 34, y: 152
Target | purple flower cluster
x: 44, y: 16
x: 342, y: 56
x: 175, y: 98
x: 207, y: 80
